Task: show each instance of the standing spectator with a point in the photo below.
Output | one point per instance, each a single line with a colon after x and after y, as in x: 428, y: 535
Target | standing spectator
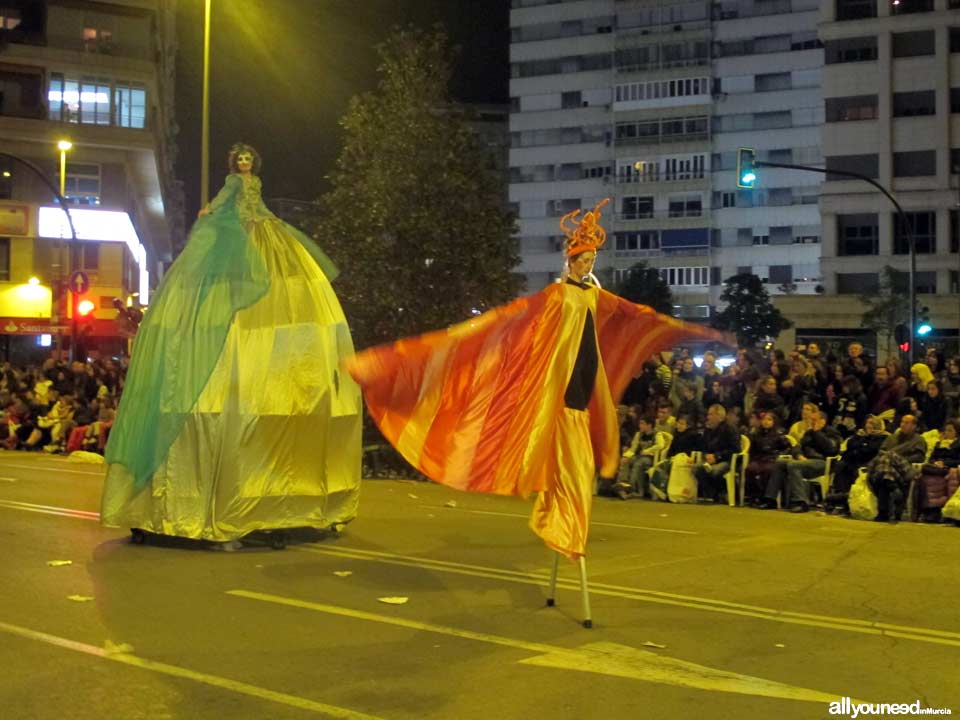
x: 685, y: 377
x: 920, y: 378
x: 769, y: 400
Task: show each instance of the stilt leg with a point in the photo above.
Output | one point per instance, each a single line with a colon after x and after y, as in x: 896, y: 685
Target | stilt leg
x: 585, y: 594
x: 552, y: 592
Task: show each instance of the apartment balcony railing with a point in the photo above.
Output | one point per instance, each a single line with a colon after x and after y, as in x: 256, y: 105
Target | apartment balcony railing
x: 658, y: 139
x: 659, y: 176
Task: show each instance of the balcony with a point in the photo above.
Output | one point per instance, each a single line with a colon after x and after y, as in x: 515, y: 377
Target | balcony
x: 657, y: 176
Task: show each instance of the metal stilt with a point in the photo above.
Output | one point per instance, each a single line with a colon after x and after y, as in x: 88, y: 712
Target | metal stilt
x: 552, y: 592
x: 585, y: 594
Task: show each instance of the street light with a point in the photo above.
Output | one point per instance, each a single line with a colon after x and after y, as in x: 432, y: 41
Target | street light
x: 63, y: 146
x: 205, y: 111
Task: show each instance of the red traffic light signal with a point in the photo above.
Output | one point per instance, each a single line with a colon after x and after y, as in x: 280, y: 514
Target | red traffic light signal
x: 905, y: 347
x: 85, y: 307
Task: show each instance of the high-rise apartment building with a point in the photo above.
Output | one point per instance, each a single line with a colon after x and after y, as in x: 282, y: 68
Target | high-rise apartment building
x: 99, y: 74
x: 647, y: 103
x: 892, y: 96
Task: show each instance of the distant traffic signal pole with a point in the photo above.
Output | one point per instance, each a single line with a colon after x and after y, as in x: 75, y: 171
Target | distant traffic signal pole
x: 747, y: 177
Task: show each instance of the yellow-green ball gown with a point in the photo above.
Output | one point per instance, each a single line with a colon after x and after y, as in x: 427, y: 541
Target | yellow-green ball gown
x: 235, y: 416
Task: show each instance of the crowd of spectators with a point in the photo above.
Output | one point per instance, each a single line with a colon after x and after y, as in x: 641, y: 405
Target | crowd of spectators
x: 59, y: 407
x: 794, y: 419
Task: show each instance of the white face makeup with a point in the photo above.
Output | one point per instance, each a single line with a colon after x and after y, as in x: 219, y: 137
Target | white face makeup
x: 244, y: 161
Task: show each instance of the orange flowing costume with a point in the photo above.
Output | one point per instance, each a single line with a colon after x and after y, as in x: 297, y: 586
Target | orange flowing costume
x: 480, y: 406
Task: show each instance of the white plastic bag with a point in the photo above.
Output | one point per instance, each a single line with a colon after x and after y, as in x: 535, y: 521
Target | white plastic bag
x: 862, y: 501
x: 682, y: 486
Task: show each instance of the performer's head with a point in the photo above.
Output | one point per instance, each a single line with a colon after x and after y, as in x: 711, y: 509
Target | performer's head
x: 581, y: 266
x: 585, y: 237
x: 243, y: 157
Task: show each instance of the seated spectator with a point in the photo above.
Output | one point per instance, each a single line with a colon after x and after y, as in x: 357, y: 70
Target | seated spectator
x: 939, y: 479
x: 665, y: 422
x: 687, y: 440
x: 50, y: 428
x: 890, y: 473
x: 789, y: 477
x: 862, y: 447
x: 767, y: 443
x: 690, y: 406
x: 799, y: 428
x: 884, y: 394
x: 851, y: 408
x: 635, y: 461
x: 934, y: 407
x: 720, y: 442
x: 685, y: 377
x: 768, y: 399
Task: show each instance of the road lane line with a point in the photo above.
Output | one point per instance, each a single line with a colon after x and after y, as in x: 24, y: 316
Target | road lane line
x: 50, y: 510
x: 200, y: 677
x: 39, y: 466
x: 863, y: 627
x: 592, y: 522
x: 941, y: 637
x: 600, y: 658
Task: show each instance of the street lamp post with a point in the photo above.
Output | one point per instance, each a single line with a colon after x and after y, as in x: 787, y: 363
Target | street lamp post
x: 901, y: 215
x: 205, y: 111
x: 61, y: 302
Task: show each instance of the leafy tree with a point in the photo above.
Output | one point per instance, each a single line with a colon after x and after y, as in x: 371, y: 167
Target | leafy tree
x: 643, y: 285
x: 749, y: 312
x: 888, y: 307
x: 416, y: 219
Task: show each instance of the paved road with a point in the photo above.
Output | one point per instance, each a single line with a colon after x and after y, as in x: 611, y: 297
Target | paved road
x: 759, y: 615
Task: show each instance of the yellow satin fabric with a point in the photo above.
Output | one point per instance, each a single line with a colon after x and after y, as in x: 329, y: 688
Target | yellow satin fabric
x: 561, y: 514
x: 274, y: 441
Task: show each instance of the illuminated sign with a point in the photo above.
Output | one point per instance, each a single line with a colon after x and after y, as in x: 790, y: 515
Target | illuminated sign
x: 97, y: 226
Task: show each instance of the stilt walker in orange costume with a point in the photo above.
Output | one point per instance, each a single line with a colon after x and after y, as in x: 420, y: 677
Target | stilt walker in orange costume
x: 523, y: 398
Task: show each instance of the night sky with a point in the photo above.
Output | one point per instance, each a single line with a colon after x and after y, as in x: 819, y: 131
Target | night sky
x: 283, y: 71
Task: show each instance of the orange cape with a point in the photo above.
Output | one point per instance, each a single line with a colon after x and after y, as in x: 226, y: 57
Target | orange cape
x: 475, y: 406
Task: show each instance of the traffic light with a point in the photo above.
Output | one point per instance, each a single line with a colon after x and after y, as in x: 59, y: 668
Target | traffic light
x: 746, y: 168
x: 924, y: 327
x: 85, y: 307
x: 901, y: 333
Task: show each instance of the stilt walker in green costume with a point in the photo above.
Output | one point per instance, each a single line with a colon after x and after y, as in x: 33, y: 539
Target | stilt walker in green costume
x: 235, y: 416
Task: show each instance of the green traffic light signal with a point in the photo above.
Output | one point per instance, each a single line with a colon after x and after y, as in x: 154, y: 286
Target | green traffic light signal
x: 746, y: 168
x: 923, y: 322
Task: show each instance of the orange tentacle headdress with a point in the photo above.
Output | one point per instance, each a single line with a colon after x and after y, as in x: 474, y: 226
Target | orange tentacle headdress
x: 583, y: 234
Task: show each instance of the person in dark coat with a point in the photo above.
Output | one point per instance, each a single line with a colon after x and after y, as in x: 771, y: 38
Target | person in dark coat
x: 767, y: 443
x: 934, y: 407
x: 861, y: 449
x: 720, y: 442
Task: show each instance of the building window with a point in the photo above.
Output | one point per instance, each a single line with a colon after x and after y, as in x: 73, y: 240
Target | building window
x: 4, y: 258
x: 868, y: 165
x: 915, y: 164
x: 686, y: 276
x: 860, y: 49
x: 913, y: 44
x: 569, y: 100
x: 954, y: 231
x: 636, y: 243
x: 9, y: 18
x: 772, y: 81
x: 926, y: 282
x: 924, y: 231
x: 855, y: 9
x: 82, y: 184
x: 90, y: 256
x: 726, y: 199
x: 858, y: 235
x: 637, y: 208
x: 744, y: 269
x: 686, y: 206
x: 857, y: 283
x: 954, y: 38
x: 96, y: 101
x: 904, y: 7
x: 130, y: 105
x: 857, y: 107
x: 912, y: 104
x: 781, y: 274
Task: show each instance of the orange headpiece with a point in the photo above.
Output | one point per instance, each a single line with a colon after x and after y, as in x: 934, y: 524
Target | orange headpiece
x: 585, y: 233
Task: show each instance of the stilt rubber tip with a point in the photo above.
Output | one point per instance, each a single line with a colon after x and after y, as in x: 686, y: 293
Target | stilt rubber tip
x: 588, y: 624
x: 551, y: 602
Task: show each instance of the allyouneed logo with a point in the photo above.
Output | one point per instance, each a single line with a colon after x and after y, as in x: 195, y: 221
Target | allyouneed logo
x: 845, y: 706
